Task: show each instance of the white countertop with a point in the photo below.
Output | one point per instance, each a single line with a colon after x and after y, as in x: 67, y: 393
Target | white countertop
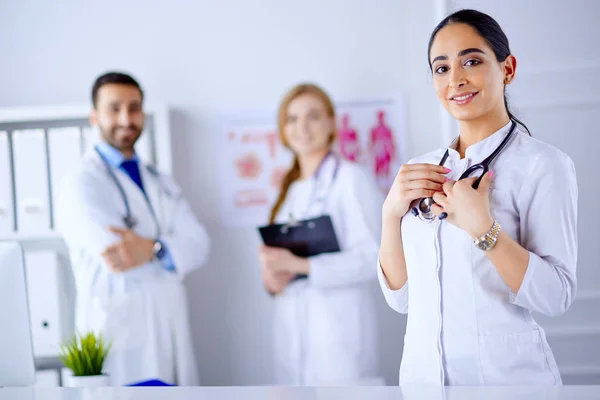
x: 300, y: 393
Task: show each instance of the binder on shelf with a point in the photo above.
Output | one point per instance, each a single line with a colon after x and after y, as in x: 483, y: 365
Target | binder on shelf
x: 31, y: 181
x: 7, y: 212
x: 64, y: 150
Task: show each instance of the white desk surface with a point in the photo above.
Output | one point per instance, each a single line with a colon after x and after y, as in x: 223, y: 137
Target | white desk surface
x: 300, y: 393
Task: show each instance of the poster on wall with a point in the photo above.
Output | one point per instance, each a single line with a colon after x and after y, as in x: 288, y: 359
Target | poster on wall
x: 253, y: 160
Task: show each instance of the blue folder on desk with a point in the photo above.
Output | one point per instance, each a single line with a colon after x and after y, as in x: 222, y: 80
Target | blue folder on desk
x: 304, y: 238
x: 151, y: 382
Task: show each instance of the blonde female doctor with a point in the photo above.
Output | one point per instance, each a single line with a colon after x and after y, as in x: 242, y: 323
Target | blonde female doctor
x: 325, y: 325
x: 471, y: 270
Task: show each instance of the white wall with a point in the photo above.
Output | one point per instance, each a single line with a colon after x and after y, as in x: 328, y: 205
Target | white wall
x: 206, y: 58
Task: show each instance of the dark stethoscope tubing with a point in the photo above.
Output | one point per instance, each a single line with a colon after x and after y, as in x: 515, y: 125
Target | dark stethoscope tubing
x: 128, y: 218
x: 484, y: 166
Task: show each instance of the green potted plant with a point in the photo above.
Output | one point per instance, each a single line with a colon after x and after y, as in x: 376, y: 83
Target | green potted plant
x: 84, y: 356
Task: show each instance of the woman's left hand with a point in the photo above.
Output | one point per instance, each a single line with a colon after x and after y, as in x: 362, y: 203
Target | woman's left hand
x: 282, y: 260
x: 467, y: 208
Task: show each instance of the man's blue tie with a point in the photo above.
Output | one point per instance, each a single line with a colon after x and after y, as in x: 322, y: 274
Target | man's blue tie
x: 132, y: 169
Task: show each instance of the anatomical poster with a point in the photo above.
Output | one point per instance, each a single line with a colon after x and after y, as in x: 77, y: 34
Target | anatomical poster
x: 253, y: 160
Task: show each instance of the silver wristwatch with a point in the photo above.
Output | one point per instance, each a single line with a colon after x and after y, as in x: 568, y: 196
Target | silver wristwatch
x: 158, y: 250
x: 488, y: 240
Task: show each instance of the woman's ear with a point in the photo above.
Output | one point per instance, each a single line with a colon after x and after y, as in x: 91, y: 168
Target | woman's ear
x: 510, y: 69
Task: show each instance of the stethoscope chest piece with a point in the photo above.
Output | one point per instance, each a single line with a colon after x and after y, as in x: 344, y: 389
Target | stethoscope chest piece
x: 424, y: 209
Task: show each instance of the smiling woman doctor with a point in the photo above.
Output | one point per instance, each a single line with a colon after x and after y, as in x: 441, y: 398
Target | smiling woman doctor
x: 470, y: 271
x: 325, y: 325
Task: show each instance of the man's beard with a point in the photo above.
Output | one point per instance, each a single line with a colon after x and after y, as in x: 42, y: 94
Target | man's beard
x: 110, y: 135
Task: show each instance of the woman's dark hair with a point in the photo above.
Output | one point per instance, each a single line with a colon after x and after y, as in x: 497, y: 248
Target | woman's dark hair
x: 489, y: 30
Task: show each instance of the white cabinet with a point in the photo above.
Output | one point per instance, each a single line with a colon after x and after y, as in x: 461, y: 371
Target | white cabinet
x: 49, y: 309
x: 47, y: 378
x: 64, y: 151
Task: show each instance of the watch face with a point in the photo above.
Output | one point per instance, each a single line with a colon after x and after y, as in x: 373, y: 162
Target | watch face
x: 484, y: 244
x: 159, y: 250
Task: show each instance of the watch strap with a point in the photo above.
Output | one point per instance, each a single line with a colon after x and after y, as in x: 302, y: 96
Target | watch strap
x: 488, y: 240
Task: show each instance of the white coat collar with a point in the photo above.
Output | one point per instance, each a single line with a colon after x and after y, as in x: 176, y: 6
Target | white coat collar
x: 319, y: 186
x: 135, y: 196
x: 327, y: 170
x: 483, y: 148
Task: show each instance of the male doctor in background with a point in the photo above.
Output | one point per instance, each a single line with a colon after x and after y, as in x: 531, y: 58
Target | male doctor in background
x: 129, y: 275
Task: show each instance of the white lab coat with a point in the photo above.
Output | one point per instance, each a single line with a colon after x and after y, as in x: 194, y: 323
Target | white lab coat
x: 325, y: 327
x: 465, y: 325
x: 144, y: 310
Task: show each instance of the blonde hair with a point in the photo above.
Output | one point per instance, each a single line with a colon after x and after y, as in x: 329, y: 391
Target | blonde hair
x: 294, y: 173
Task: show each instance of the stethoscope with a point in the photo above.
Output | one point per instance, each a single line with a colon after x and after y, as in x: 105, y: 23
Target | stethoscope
x: 128, y: 219
x: 423, y: 209
x: 314, y: 199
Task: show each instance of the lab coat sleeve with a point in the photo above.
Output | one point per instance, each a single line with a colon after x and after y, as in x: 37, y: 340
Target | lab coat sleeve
x: 548, y: 213
x: 83, y: 217
x: 396, y: 299
x: 360, y: 208
x: 188, y: 243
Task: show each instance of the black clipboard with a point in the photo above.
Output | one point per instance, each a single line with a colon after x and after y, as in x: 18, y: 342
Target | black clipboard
x: 304, y: 238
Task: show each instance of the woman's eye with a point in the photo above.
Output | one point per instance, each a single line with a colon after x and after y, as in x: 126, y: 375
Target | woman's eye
x: 441, y: 70
x: 473, y: 62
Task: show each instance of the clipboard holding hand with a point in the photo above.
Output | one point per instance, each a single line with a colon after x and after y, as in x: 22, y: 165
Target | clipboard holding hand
x: 304, y: 238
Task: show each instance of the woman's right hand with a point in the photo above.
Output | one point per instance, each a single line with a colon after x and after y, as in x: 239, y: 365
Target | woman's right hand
x: 275, y: 281
x: 413, y: 181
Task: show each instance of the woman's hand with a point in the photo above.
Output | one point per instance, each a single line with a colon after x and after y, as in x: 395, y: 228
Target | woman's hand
x: 467, y: 208
x: 413, y: 181
x: 279, y: 266
x: 282, y: 260
x: 275, y: 282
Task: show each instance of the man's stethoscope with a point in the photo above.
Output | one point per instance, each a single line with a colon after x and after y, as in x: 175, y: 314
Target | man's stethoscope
x: 128, y: 219
x: 315, y: 196
x: 423, y: 209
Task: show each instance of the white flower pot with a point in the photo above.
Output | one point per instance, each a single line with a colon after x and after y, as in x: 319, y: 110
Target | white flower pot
x: 84, y: 381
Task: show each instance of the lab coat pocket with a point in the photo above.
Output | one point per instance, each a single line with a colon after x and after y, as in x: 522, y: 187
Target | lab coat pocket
x: 335, y: 317
x: 515, y: 359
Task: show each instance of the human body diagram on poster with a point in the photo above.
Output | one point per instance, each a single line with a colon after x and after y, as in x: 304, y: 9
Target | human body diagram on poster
x: 254, y: 162
x: 380, y: 151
